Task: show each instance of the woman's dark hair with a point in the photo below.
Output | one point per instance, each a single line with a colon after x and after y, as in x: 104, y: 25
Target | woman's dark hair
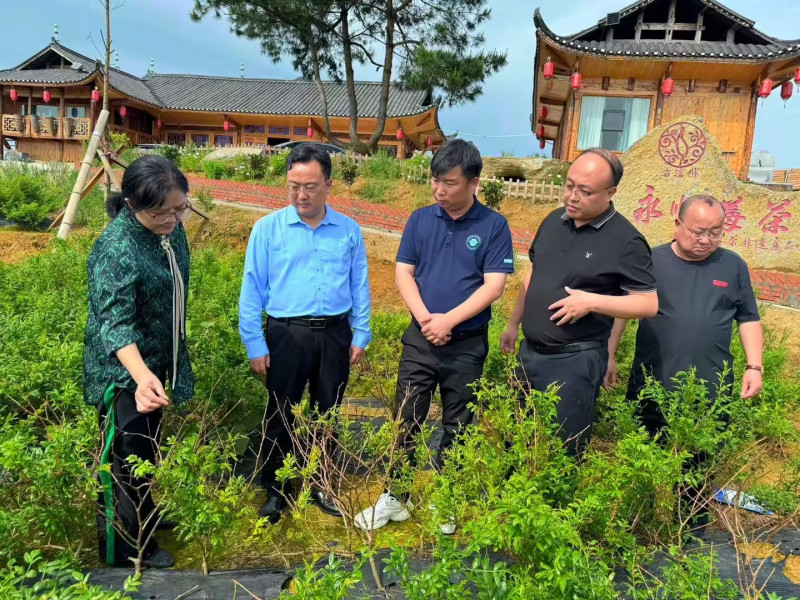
x: 308, y: 152
x: 146, y: 183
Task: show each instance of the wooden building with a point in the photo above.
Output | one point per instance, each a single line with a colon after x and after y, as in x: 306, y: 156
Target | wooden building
x: 46, y: 108
x: 652, y: 62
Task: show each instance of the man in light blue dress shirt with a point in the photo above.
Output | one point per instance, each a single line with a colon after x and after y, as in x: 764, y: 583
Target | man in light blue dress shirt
x: 306, y: 267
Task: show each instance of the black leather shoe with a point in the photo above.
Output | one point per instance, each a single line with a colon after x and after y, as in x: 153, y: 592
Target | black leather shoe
x: 272, y: 509
x: 159, y: 559
x: 324, y: 503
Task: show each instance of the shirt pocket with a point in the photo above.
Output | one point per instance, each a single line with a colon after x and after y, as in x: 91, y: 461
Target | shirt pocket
x: 334, y: 255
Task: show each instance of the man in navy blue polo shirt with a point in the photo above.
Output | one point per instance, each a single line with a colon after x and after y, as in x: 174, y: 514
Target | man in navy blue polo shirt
x: 452, y: 264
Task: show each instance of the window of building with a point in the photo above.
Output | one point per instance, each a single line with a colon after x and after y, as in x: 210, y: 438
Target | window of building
x: 612, y: 123
x: 76, y: 112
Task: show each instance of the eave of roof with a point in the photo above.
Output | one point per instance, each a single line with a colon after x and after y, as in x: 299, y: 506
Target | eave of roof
x: 661, y: 49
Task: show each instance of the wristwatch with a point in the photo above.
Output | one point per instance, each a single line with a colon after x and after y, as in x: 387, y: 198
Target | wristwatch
x: 758, y: 368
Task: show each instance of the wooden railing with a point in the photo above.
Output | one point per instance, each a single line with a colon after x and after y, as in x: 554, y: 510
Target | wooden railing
x: 136, y: 137
x: 538, y: 192
x: 61, y: 128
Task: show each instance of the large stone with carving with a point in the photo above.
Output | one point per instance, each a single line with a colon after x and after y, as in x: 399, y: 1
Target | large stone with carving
x: 680, y: 159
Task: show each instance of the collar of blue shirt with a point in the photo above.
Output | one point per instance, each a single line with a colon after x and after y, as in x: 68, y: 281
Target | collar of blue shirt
x: 331, y: 217
x: 472, y: 213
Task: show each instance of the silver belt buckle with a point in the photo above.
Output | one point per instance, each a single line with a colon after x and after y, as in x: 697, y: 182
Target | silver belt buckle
x: 316, y: 323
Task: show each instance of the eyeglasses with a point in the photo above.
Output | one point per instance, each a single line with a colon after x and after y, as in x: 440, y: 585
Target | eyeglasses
x: 713, y: 236
x: 308, y: 188
x: 162, y: 217
x: 582, y: 194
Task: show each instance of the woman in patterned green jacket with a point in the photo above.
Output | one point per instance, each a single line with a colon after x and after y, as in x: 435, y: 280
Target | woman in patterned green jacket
x: 135, y: 342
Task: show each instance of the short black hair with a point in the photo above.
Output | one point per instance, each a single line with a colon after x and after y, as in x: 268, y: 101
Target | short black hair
x: 146, y: 184
x: 457, y: 153
x: 617, y: 170
x: 308, y: 152
x: 706, y: 199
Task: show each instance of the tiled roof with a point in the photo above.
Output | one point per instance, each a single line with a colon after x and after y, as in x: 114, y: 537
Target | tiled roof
x: 766, y: 49
x: 54, y: 76
x: 266, y: 96
x: 224, y: 94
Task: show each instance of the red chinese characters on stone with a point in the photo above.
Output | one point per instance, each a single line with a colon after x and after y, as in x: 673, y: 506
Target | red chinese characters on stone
x: 732, y: 215
x: 675, y: 207
x: 773, y: 222
x: 648, y: 210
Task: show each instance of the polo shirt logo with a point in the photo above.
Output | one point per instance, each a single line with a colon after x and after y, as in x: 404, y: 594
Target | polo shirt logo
x: 722, y: 284
x: 473, y: 242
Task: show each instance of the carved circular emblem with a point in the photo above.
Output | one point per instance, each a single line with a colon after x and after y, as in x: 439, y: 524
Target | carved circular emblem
x: 682, y: 145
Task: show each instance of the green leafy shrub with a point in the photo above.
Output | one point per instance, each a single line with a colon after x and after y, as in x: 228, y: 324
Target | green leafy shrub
x: 376, y: 190
x: 418, y: 168
x: 259, y: 165
x: 349, y: 170
x: 278, y: 164
x: 493, y: 193
x: 214, y: 169
x: 191, y: 158
x: 28, y: 196
x: 204, y: 199
x: 381, y: 166
x: 172, y: 153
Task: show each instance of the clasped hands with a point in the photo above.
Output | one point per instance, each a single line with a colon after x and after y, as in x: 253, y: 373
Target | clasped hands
x: 437, y: 328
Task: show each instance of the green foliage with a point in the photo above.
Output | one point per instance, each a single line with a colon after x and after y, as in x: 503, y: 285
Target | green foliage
x: 191, y: 158
x: 493, y: 193
x: 204, y: 199
x: 418, y: 168
x: 278, y: 164
x: 349, y: 170
x: 376, y: 190
x: 172, y: 153
x: 214, y: 169
x: 259, y: 165
x: 200, y: 492
x: 120, y: 142
x: 28, y: 194
x: 37, y: 579
x: 381, y: 166
x: 331, y: 582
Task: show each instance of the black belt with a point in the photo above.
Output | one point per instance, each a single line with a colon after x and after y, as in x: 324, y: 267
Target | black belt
x: 312, y: 322
x: 461, y: 335
x: 566, y: 348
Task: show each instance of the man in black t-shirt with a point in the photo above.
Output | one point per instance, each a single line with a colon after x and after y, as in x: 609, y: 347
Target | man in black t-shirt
x: 702, y: 290
x: 590, y: 265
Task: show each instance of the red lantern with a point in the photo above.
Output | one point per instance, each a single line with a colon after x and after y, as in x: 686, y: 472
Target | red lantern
x: 123, y: 112
x: 576, y: 81
x: 540, y: 132
x: 95, y: 95
x: 786, y: 91
x: 542, y: 144
x: 668, y: 86
x: 549, y: 69
x: 429, y: 142
x: 13, y: 94
x: 159, y: 123
x: 543, y: 113
x: 797, y: 76
x: 400, y: 133
x: 46, y: 96
x: 226, y: 125
x: 766, y: 88
x: 310, y: 132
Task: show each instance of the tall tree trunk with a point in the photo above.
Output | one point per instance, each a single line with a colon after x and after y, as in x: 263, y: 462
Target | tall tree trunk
x: 326, y: 122
x: 106, y: 70
x: 386, y: 80
x: 350, y: 82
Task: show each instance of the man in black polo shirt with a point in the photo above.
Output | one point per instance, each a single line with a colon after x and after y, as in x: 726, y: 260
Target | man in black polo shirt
x: 452, y: 264
x: 702, y: 290
x: 590, y: 265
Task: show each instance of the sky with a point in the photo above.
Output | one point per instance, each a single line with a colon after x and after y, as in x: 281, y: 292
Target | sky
x: 498, y: 121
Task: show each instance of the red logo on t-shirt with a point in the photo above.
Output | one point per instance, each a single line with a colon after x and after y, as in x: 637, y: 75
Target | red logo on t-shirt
x: 719, y: 283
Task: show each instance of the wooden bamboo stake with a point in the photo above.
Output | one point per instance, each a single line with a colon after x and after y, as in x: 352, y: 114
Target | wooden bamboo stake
x: 86, y: 165
x: 107, y: 165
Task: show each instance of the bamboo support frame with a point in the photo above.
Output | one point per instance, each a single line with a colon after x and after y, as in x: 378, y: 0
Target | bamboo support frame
x: 86, y: 165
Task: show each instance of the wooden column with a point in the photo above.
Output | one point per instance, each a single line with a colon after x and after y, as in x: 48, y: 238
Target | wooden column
x: 61, y: 114
x: 748, y: 138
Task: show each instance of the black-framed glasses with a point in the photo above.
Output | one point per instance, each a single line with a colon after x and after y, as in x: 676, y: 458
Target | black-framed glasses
x: 162, y: 217
x: 713, y: 236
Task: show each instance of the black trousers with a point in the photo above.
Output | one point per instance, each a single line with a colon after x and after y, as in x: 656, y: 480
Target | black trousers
x: 580, y: 375
x: 453, y: 367
x: 300, y: 355
x: 126, y: 514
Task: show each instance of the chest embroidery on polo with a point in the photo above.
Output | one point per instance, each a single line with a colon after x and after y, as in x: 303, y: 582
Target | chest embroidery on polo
x: 473, y: 242
x: 589, y: 254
